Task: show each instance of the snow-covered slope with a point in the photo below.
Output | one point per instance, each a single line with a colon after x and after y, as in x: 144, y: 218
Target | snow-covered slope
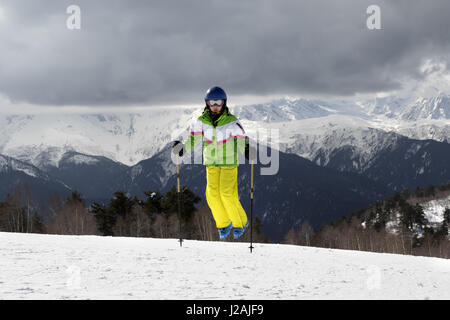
x: 438, y: 130
x: 282, y: 110
x: 11, y: 165
x: 18, y: 174
x: 408, y: 109
x: 366, y: 127
x: 428, y: 108
x: 316, y: 139
x: 433, y: 207
x: 92, y: 267
x: 434, y: 210
x: 8, y: 164
x: 125, y: 137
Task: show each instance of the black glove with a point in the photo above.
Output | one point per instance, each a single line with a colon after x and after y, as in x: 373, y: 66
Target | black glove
x: 178, y: 148
x: 250, y: 152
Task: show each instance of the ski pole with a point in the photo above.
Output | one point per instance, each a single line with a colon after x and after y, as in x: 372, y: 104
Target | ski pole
x: 251, y: 206
x: 179, y: 200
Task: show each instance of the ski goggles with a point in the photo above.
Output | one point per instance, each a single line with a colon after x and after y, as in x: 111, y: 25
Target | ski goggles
x: 215, y: 102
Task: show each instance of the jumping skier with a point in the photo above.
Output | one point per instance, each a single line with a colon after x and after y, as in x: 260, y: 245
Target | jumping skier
x: 223, y: 135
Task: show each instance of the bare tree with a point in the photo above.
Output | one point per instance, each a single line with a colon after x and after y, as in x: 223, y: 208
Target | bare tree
x: 204, y: 225
x: 71, y: 217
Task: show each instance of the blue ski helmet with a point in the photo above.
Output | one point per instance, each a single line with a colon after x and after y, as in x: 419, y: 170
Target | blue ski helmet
x: 215, y: 93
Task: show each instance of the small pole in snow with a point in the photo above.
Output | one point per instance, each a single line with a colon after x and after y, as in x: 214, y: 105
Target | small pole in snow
x: 251, y: 206
x: 179, y: 201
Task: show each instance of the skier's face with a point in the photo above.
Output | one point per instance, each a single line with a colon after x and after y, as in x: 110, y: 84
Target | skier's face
x: 215, y: 105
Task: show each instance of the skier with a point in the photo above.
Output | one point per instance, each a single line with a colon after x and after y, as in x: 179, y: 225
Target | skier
x: 223, y: 134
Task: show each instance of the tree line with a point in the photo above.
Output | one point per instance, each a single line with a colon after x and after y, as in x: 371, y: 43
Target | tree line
x: 156, y: 216
x: 396, y: 224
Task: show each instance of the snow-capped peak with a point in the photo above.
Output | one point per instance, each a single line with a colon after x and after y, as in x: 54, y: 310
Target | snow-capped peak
x: 10, y: 164
x: 428, y: 108
x: 282, y: 110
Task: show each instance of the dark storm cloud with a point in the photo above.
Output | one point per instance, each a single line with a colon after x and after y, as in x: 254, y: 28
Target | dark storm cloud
x: 130, y: 52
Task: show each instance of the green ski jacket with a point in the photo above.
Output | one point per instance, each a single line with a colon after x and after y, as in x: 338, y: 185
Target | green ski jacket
x: 221, y: 139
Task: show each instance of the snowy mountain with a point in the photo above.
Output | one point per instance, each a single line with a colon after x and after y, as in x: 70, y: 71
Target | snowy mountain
x: 317, y: 139
x: 304, y: 124
x: 390, y: 106
x: 350, y: 143
x: 428, y: 108
x: 282, y: 110
x: 424, y: 130
x: 411, y: 163
x: 95, y: 177
x: 18, y: 174
x: 36, y: 266
x: 396, y: 160
x: 43, y: 139
x: 408, y: 109
x: 8, y: 164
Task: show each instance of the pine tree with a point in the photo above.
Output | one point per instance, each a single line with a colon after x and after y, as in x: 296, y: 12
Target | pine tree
x: 104, y: 219
x: 381, y: 217
x: 188, y: 201
x: 154, y: 203
x: 446, y: 221
x: 75, y: 197
x: 37, y: 224
x: 121, y: 205
x: 407, y: 216
x: 419, y: 216
x: 430, y: 191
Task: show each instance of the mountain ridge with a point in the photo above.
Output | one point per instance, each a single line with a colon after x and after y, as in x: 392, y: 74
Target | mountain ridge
x: 132, y: 137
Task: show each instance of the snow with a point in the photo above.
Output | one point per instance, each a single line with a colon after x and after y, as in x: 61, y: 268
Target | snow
x: 79, y: 159
x: 434, y: 210
x: 38, y: 266
x: 282, y: 110
x: 7, y: 163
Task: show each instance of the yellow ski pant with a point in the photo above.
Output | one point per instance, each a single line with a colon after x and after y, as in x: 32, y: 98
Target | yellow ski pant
x: 222, y: 196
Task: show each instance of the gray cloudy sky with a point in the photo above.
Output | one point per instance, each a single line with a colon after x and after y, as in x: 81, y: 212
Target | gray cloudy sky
x: 170, y: 52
